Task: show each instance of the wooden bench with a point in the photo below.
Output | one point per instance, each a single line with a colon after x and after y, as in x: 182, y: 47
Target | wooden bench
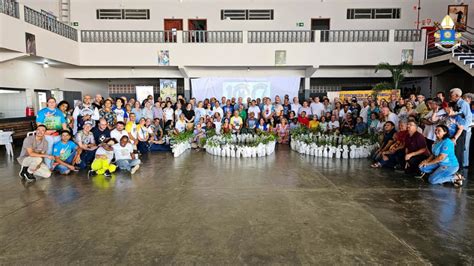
x: 21, y: 126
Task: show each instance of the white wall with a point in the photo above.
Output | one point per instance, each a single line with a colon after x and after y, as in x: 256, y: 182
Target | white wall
x: 12, y: 104
x: 27, y: 75
x: 286, y: 13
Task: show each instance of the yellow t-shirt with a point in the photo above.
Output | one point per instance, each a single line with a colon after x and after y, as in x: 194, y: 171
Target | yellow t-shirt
x: 313, y: 124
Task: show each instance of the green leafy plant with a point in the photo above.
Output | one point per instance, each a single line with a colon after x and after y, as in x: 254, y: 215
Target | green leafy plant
x: 397, y: 71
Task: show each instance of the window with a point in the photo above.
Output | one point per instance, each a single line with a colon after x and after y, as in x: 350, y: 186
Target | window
x: 123, y: 13
x: 247, y: 14
x: 373, y: 13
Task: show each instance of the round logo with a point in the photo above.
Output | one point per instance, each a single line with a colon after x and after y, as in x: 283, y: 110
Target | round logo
x: 447, y: 34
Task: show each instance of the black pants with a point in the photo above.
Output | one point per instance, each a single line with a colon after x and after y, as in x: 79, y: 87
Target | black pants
x: 429, y: 144
x: 460, y: 147
x: 412, y: 164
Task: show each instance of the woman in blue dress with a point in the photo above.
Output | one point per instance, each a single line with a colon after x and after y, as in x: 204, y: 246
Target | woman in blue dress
x: 442, y: 165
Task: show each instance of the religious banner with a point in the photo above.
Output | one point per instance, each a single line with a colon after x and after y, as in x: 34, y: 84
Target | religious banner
x: 143, y: 92
x: 169, y: 88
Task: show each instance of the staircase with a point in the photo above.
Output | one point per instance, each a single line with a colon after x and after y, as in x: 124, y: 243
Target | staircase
x: 464, y: 59
x: 65, y: 11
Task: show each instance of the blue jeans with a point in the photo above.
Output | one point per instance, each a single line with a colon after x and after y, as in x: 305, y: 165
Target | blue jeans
x: 125, y: 164
x: 440, y: 174
x: 51, y: 141
x: 63, y: 169
x: 466, y: 151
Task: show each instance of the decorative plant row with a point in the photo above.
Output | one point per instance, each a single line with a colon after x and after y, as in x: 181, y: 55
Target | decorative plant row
x: 181, y: 142
x: 332, y: 145
x: 242, y: 145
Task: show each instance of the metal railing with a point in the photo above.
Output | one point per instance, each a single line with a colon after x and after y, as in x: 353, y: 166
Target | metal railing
x: 128, y: 36
x: 408, y: 35
x: 10, y: 7
x: 202, y: 36
x: 291, y: 36
x: 355, y: 35
x: 36, y: 18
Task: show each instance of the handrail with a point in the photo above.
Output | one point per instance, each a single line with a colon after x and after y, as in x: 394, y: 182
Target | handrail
x: 203, y: 36
x: 289, y: 36
x: 128, y: 36
x: 409, y: 35
x: 36, y: 18
x: 10, y: 7
x: 355, y: 35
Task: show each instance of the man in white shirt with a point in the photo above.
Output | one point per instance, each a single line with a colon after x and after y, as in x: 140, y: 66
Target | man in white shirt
x: 295, y: 106
x: 85, y: 111
x: 317, y: 108
x: 119, y: 131
x: 218, y: 109
x: 364, y: 112
x: 333, y: 125
x: 430, y: 121
x: 254, y: 109
x: 124, y: 156
x: 389, y: 116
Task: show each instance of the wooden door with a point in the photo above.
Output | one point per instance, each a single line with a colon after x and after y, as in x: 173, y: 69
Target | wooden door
x: 171, y: 27
x: 197, y: 28
x: 320, y: 24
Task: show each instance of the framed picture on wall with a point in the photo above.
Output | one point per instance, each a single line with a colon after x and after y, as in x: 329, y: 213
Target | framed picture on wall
x: 30, y: 43
x: 459, y: 15
x: 407, y: 55
x: 280, y: 57
x: 164, y: 58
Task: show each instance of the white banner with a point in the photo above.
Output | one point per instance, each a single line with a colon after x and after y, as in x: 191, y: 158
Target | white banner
x: 203, y: 88
x: 143, y: 92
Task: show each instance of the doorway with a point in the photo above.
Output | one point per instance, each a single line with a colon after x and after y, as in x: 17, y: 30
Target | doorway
x: 197, y: 28
x: 171, y: 28
x: 320, y: 24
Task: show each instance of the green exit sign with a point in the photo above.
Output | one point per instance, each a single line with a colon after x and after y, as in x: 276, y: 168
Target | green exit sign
x: 75, y: 24
x: 299, y: 24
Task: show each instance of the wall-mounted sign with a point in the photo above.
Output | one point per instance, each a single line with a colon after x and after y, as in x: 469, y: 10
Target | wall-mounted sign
x: 75, y: 24
x: 299, y: 24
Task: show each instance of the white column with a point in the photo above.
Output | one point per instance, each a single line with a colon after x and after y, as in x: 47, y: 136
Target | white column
x: 187, y: 88
x: 307, y: 87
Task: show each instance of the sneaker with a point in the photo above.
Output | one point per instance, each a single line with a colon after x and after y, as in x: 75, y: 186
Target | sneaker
x: 29, y: 177
x: 23, y: 172
x: 134, y: 169
x: 107, y: 173
x: 91, y: 173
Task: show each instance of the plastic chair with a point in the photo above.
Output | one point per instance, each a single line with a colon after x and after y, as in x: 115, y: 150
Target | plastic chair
x: 6, y: 139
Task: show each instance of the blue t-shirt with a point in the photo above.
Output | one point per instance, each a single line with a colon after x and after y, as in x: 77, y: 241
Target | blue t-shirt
x: 445, y: 146
x: 453, y: 122
x: 121, y: 113
x: 52, y: 119
x: 64, y: 150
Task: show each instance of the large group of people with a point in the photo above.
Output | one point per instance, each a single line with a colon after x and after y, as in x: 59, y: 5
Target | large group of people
x: 417, y: 135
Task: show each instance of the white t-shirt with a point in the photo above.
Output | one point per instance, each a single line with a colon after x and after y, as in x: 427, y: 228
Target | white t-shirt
x: 342, y: 113
x: 102, y: 151
x: 180, y: 126
x: 394, y: 118
x: 218, y: 125
x: 219, y: 110
x: 123, y: 153
x: 295, y: 107
x: 364, y: 113
x: 429, y: 131
x: 255, y: 110
x: 169, y: 113
x: 317, y: 108
x: 117, y: 135
x: 333, y: 125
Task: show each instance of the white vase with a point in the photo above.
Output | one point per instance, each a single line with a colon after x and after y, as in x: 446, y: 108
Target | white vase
x: 345, y: 152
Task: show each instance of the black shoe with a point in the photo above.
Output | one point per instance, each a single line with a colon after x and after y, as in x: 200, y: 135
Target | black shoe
x: 107, y: 173
x: 23, y: 172
x: 91, y: 173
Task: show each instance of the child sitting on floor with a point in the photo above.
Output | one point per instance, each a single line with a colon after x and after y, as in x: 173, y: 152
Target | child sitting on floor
x: 103, y: 156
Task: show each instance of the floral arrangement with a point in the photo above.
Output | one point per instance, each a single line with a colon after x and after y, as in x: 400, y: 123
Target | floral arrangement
x: 241, y: 145
x: 332, y: 145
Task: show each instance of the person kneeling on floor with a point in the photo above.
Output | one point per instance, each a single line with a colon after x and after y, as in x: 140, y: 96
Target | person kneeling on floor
x: 67, y: 154
x: 124, y: 156
x: 442, y: 165
x: 33, y: 152
x: 104, y: 155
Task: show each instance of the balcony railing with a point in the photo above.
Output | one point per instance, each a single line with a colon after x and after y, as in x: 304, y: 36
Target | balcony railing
x: 36, y: 18
x: 279, y: 36
x: 202, y: 36
x: 355, y: 35
x: 408, y: 35
x: 9, y: 7
x: 125, y: 36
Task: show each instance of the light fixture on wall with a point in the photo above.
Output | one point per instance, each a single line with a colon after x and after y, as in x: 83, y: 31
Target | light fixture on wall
x: 248, y: 69
x: 45, y: 64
